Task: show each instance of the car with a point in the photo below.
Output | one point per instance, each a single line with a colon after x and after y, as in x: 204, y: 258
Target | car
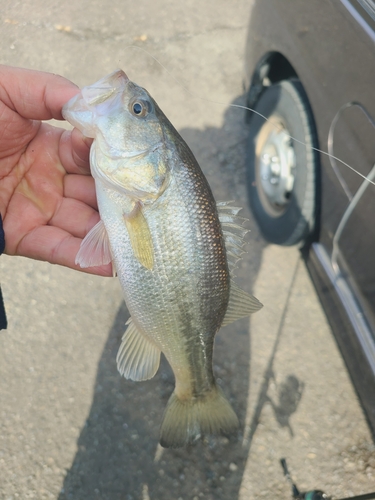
x: 309, y: 79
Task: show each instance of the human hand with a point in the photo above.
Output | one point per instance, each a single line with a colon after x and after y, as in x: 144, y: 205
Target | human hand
x: 47, y: 195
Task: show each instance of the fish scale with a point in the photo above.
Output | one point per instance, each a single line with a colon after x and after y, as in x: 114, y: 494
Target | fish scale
x: 161, y: 228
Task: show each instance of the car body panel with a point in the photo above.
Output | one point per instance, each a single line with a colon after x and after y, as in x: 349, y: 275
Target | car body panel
x: 330, y: 47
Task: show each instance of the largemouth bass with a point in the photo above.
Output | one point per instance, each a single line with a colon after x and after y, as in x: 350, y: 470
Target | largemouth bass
x: 171, y: 245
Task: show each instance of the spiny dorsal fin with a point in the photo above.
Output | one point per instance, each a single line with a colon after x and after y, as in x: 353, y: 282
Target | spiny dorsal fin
x: 241, y: 304
x: 138, y: 358
x: 233, y: 232
x: 95, y: 249
x: 227, y: 207
x: 140, y: 237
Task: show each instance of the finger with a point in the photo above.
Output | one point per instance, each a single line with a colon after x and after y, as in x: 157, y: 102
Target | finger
x: 74, y: 152
x: 82, y: 188
x: 74, y: 217
x: 35, y: 94
x: 56, y: 246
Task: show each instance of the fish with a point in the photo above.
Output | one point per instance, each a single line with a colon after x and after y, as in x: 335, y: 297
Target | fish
x: 172, y: 246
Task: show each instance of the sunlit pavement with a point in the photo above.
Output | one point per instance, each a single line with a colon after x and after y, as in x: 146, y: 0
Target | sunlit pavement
x: 301, y: 402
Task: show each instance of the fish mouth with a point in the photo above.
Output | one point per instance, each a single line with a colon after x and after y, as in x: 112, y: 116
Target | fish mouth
x: 80, y: 110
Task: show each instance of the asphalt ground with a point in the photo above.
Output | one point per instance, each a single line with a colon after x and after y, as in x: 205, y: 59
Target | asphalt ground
x: 70, y: 426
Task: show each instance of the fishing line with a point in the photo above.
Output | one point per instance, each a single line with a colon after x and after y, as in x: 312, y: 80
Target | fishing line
x: 330, y: 134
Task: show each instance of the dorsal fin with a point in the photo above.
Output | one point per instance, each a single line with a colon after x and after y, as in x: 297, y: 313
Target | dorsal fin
x: 241, y: 304
x: 233, y: 231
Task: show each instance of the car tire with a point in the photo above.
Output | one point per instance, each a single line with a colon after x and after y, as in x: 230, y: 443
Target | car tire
x: 282, y: 167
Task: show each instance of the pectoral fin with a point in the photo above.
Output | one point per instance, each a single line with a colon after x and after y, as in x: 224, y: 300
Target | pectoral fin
x: 140, y: 237
x: 241, y: 304
x: 138, y: 358
x: 95, y: 249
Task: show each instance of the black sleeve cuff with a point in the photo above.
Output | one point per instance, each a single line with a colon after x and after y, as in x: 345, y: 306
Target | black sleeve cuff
x: 3, y: 317
x: 2, y: 236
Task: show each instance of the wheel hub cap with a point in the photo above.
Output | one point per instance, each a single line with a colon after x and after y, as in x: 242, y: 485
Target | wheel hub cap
x: 275, y: 166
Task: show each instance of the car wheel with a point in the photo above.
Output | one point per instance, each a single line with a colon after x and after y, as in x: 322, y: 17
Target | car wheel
x: 282, y: 172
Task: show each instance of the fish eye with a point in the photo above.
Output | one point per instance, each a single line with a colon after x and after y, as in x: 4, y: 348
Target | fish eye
x: 140, y: 108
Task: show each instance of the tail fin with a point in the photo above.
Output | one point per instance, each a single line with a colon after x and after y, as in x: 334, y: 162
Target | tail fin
x: 186, y: 421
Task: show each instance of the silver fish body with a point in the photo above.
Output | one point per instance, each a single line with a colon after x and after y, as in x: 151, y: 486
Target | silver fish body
x: 163, y: 231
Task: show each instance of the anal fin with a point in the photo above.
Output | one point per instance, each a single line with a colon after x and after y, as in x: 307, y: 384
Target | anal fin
x: 241, y: 304
x: 138, y: 358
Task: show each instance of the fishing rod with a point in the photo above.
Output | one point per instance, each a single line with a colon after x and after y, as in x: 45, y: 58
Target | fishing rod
x: 317, y: 494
